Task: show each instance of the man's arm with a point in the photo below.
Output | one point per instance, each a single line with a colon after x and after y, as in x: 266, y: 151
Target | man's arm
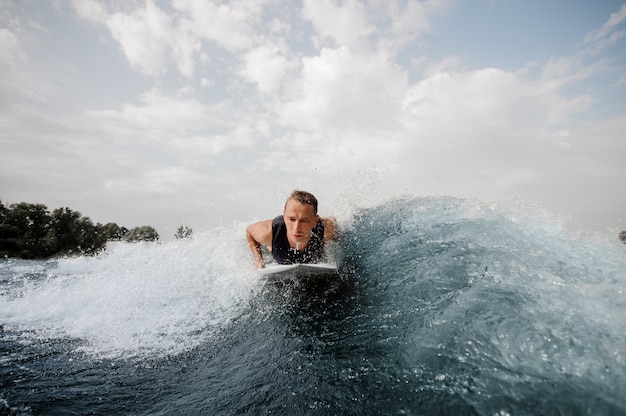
x: 257, y: 234
x: 330, y: 229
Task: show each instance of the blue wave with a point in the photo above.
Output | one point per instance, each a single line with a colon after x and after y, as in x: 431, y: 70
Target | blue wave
x: 504, y: 312
x: 443, y: 306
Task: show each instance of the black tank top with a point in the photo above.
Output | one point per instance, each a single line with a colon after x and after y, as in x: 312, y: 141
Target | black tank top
x: 284, y: 254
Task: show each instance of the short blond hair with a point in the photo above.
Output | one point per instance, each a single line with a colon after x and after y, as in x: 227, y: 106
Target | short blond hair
x: 303, y: 197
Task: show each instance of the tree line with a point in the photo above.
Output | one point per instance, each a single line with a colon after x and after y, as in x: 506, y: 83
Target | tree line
x: 30, y: 231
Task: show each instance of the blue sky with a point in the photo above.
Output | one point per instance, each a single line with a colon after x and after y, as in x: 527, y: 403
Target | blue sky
x: 205, y: 112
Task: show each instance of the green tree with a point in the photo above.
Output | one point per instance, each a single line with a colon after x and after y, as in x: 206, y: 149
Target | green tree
x: 64, y: 230
x: 72, y: 233
x: 183, y: 232
x: 622, y: 237
x: 30, y: 231
x: 25, y: 227
x: 144, y: 233
x: 91, y: 237
x: 3, y: 211
x: 114, y: 232
x: 9, y: 235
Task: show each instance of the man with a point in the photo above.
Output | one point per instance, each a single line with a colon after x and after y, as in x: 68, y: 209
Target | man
x: 297, y: 236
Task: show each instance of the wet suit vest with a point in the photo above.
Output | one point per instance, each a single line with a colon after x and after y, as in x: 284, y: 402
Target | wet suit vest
x: 284, y: 254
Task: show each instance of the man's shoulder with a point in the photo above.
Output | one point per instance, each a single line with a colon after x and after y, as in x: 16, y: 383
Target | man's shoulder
x: 329, y: 221
x: 260, y: 227
x: 330, y: 228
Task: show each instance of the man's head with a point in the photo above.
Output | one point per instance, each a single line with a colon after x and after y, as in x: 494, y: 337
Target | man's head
x: 303, y: 197
x: 300, y: 216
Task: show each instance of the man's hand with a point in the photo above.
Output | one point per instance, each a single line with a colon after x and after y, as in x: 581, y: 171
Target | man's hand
x: 257, y: 234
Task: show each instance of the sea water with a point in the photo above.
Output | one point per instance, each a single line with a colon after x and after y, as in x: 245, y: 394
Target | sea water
x: 442, y: 306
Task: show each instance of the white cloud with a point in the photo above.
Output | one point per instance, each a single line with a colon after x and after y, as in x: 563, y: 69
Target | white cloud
x: 448, y: 63
x: 599, y: 36
x: 151, y: 38
x: 91, y: 10
x: 266, y: 67
x: 230, y: 25
x: 412, y: 18
x: 18, y: 83
x: 174, y: 129
x: 160, y: 112
x: 342, y: 90
x: 488, y: 132
x: 146, y: 37
x: 162, y: 181
x: 345, y: 23
x: 11, y: 58
x: 332, y: 103
x: 483, y: 103
x: 200, y: 149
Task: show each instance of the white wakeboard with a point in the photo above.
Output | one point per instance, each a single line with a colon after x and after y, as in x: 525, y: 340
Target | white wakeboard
x: 297, y: 271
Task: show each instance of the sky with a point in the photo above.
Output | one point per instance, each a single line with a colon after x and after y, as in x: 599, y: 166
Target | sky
x: 207, y: 113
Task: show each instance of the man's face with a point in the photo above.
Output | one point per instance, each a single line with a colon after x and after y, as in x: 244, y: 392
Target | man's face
x: 300, y: 220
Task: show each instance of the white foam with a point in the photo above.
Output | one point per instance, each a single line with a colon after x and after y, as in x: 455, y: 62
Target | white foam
x: 141, y: 299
